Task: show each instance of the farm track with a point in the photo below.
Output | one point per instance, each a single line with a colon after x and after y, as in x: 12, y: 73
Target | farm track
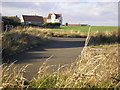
x: 64, y: 51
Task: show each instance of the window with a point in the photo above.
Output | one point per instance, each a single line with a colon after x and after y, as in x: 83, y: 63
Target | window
x: 29, y: 22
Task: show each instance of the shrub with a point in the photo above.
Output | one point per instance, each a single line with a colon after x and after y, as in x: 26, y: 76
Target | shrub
x: 32, y: 24
x: 51, y: 25
x: 12, y: 21
x: 104, y: 38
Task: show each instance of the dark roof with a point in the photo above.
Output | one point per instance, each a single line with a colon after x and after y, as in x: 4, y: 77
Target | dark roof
x: 57, y: 16
x: 32, y: 18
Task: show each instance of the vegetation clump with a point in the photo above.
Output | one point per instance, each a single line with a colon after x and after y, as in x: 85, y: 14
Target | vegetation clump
x: 20, y: 39
x: 15, y: 21
x: 51, y: 25
x: 98, y: 38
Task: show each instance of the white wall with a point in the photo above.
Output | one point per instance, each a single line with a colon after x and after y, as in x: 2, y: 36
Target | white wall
x: 21, y: 18
x: 53, y: 20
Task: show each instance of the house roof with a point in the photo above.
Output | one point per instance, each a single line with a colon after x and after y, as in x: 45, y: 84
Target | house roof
x: 32, y: 18
x: 57, y: 16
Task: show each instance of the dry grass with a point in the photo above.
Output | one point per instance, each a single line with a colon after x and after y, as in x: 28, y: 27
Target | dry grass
x: 97, y: 67
x: 98, y: 38
x: 72, y: 33
x: 20, y: 39
x: 12, y: 77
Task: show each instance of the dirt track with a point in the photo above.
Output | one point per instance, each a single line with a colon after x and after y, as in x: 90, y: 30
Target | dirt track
x: 64, y: 51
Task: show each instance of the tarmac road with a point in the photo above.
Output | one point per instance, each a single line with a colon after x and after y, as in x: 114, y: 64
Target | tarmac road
x: 63, y: 50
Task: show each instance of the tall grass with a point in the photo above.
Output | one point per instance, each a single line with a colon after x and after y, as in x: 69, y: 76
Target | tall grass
x: 98, y: 38
x: 72, y: 34
x: 20, y: 39
x: 96, y: 67
x: 12, y: 77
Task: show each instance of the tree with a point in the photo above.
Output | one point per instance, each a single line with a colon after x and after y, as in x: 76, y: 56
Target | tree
x: 15, y: 21
x: 66, y: 24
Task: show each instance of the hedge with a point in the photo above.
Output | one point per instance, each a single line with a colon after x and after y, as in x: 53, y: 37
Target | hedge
x: 51, y: 25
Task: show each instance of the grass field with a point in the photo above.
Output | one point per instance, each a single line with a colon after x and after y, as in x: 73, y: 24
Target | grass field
x: 84, y: 29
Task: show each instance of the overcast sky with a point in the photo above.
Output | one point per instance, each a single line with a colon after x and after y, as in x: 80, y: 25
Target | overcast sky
x: 90, y: 12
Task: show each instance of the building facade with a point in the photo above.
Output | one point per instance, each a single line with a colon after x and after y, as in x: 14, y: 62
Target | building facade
x: 32, y: 19
x: 54, y: 18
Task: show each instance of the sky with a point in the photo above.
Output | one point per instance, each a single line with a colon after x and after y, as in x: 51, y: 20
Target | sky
x: 97, y: 13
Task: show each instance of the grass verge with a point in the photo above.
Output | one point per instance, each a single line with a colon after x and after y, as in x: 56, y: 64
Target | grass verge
x: 98, y: 38
x: 21, y: 39
x: 97, y: 69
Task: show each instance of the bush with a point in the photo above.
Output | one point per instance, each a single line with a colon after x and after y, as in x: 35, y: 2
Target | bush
x: 104, y: 38
x: 12, y: 21
x: 32, y: 24
x: 51, y: 25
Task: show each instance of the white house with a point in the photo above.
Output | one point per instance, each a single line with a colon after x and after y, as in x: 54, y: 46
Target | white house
x: 54, y: 18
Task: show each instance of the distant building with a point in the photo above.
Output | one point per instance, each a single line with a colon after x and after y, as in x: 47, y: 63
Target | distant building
x: 77, y: 24
x: 32, y: 19
x: 73, y: 25
x: 54, y: 18
x: 84, y: 25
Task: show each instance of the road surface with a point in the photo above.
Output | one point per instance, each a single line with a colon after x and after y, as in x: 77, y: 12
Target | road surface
x: 63, y: 50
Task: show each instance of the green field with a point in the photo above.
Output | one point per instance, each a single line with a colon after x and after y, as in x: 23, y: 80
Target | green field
x: 85, y: 28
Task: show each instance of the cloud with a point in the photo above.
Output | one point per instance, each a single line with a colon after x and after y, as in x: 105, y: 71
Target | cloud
x: 91, y: 12
x: 60, y: 1
x: 30, y: 5
x: 44, y: 0
x: 72, y: 12
x: 17, y: 5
